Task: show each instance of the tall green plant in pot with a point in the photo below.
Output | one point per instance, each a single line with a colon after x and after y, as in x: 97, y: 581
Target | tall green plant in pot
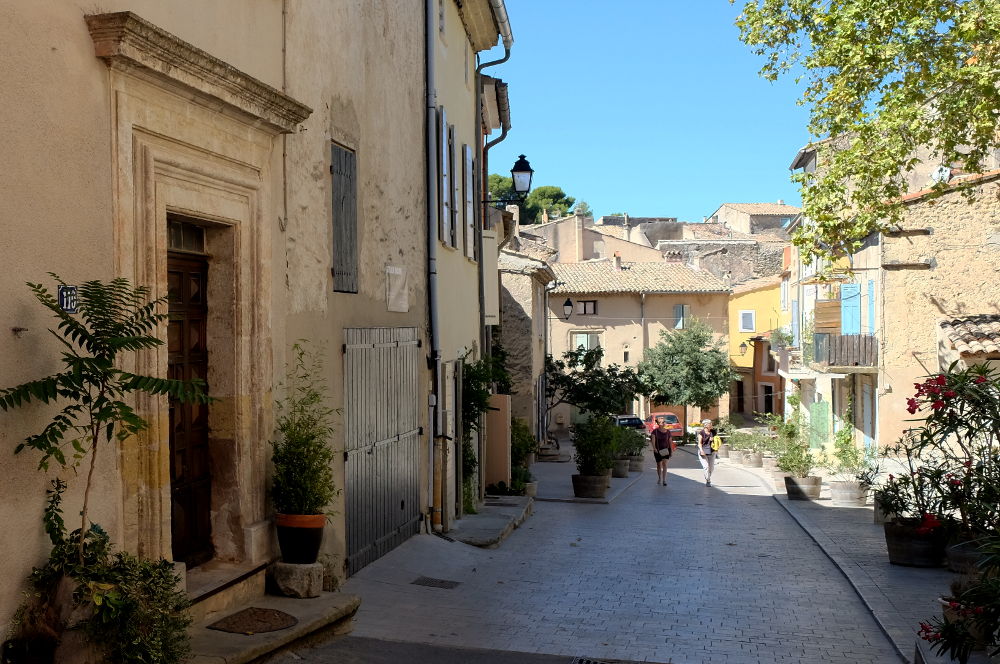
x: 302, y: 487
x: 595, y: 442
x: 114, y: 592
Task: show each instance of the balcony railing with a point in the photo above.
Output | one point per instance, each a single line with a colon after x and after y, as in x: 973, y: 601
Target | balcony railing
x: 845, y: 350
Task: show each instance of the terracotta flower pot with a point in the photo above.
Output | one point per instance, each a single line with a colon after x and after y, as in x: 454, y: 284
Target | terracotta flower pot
x: 299, y: 537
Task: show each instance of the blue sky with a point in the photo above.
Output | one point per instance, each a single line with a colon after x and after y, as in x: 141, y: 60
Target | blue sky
x: 651, y: 107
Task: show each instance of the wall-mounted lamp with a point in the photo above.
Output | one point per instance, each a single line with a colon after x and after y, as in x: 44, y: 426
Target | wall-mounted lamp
x: 567, y: 308
x: 520, y: 175
x: 744, y: 348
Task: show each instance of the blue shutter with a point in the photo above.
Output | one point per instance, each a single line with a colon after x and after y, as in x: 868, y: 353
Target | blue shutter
x: 850, y: 309
x: 871, y: 307
x: 795, y: 323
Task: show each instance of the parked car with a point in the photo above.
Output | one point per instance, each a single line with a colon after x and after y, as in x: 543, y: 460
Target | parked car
x: 630, y: 422
x: 673, y: 424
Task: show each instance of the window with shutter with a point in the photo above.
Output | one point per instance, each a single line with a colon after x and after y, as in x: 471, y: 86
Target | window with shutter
x: 748, y: 320
x: 456, y: 231
x: 444, y: 190
x: 343, y: 176
x: 468, y: 210
x: 587, y: 340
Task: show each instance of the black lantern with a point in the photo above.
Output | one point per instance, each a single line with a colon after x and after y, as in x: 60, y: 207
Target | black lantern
x: 567, y: 308
x: 521, y: 175
x: 743, y: 348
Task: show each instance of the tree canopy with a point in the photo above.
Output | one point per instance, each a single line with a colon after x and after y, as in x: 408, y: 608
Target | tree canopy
x: 580, y: 380
x: 886, y: 80
x: 546, y: 199
x: 686, y: 367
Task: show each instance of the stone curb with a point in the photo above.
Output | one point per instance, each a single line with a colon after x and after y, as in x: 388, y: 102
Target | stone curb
x: 497, y: 524
x: 870, y: 595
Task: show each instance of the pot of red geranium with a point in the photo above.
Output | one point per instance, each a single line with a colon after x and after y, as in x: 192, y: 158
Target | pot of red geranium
x: 916, y: 543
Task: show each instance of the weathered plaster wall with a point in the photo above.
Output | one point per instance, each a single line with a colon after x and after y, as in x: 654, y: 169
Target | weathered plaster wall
x: 629, y: 251
x: 367, y: 96
x: 737, y: 260
x: 57, y: 200
x: 521, y: 336
x: 963, y: 252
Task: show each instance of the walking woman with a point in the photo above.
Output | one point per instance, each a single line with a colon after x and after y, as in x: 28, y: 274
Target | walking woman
x: 662, y: 449
x: 706, y: 455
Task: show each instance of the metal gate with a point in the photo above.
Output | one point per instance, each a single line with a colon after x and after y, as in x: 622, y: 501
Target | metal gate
x: 382, y: 410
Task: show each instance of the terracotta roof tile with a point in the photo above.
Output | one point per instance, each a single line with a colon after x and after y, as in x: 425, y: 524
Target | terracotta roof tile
x: 757, y: 284
x: 764, y: 208
x: 601, y: 277
x: 974, y: 335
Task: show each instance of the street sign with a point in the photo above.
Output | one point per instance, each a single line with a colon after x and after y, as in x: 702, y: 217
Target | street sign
x: 67, y: 299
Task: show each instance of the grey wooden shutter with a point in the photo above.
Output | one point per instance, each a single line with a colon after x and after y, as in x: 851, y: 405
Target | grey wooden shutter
x: 469, y: 209
x: 453, y: 189
x: 343, y: 170
x: 444, y: 191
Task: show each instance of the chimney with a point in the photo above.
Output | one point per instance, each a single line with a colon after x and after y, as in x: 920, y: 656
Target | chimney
x: 695, y: 261
x: 618, y: 261
x: 781, y: 202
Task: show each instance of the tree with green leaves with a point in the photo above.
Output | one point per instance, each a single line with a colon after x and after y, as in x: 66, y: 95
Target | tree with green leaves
x: 582, y: 209
x: 890, y: 86
x: 500, y: 187
x: 114, y: 319
x: 546, y: 198
x: 687, y: 368
x: 580, y: 380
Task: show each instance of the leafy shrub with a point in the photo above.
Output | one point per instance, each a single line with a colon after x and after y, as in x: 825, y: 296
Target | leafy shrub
x: 302, y: 454
x: 522, y: 442
x: 595, y: 442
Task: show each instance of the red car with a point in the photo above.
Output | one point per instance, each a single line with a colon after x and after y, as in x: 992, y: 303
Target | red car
x: 673, y: 424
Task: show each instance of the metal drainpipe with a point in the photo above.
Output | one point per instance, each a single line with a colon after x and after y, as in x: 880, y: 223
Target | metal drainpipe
x: 483, y: 337
x: 435, y: 503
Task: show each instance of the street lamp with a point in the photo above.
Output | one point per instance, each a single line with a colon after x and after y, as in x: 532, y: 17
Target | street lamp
x: 521, y: 175
x: 743, y: 348
x: 567, y: 308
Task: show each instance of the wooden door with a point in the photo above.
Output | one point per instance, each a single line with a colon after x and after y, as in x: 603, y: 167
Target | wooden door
x: 190, y: 469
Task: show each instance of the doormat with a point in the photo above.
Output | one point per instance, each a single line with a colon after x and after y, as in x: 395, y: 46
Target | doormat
x: 254, y: 621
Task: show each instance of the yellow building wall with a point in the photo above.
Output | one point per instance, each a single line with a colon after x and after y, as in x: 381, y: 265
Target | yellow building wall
x: 766, y: 305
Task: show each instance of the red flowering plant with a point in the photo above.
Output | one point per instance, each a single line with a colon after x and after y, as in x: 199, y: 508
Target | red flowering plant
x: 971, y: 619
x: 914, y: 494
x: 961, y: 427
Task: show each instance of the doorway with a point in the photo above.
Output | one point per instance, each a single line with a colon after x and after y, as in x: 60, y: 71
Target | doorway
x: 187, y: 353
x: 768, y: 399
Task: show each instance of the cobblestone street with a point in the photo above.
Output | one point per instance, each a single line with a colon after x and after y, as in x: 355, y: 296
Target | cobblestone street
x: 686, y: 574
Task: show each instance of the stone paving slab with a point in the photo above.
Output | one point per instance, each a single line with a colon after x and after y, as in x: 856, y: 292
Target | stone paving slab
x: 898, y: 597
x: 555, y: 482
x: 685, y: 574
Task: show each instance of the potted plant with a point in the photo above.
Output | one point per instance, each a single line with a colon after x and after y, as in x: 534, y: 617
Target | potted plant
x: 126, y: 608
x: 853, y: 471
x: 971, y: 615
x: 631, y: 445
x: 302, y: 486
x: 522, y: 450
x: 797, y: 460
x: 594, y: 442
x: 918, y: 529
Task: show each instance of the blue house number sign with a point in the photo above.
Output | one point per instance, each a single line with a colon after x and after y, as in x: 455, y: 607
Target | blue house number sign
x: 67, y: 299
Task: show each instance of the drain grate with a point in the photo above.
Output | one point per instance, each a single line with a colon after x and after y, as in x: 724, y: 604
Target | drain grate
x: 586, y: 660
x: 431, y: 582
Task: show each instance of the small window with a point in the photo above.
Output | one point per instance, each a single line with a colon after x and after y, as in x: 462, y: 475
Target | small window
x: 586, y: 307
x: 186, y: 237
x: 748, y: 320
x: 682, y: 313
x: 625, y: 357
x: 784, y: 294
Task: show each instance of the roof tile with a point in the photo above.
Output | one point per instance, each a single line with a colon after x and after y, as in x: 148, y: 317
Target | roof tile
x: 974, y: 335
x: 602, y: 277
